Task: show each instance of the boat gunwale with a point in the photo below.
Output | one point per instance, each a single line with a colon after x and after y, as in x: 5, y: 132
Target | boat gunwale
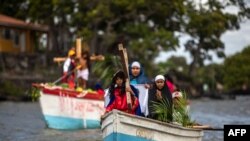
x: 71, y: 93
x: 117, y: 119
x: 150, y: 120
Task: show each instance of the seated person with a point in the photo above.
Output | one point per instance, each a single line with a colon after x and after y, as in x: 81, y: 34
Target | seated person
x: 117, y: 94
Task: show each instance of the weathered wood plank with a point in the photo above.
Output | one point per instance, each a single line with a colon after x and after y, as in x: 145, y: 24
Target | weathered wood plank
x: 124, y: 58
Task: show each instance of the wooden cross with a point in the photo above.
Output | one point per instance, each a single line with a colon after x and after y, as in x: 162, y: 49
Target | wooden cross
x: 124, y: 57
x: 78, y: 54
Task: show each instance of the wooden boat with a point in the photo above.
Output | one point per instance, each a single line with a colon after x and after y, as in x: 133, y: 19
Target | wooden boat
x: 120, y: 126
x: 68, y: 109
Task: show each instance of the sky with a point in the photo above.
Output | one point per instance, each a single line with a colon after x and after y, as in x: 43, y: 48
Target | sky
x: 235, y: 41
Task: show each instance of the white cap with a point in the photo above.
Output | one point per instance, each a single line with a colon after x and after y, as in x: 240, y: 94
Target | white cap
x: 136, y: 64
x: 176, y: 94
x: 158, y: 77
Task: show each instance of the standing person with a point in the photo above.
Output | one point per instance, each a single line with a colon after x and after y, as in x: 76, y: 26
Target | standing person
x: 117, y: 93
x: 83, y: 71
x: 170, y: 83
x: 137, y: 79
x: 136, y: 74
x: 68, y: 69
x: 159, y: 92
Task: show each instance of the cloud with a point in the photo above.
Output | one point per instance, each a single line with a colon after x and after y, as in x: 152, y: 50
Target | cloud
x: 236, y: 41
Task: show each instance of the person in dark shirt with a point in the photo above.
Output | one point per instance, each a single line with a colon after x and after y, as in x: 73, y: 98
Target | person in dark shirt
x: 159, y: 92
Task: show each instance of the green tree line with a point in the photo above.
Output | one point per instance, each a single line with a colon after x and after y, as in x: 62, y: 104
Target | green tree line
x: 145, y: 27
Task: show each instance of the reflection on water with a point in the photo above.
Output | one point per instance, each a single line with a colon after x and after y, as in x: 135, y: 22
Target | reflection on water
x: 24, y: 122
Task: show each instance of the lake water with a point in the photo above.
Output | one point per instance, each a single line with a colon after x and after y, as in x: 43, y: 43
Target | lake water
x: 23, y: 121
x: 218, y: 113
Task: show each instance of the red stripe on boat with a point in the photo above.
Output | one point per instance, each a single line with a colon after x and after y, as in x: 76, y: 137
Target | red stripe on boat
x: 71, y: 93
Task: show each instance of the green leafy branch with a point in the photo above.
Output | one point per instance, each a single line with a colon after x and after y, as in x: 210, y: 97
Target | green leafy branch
x: 161, y: 111
x: 35, y: 94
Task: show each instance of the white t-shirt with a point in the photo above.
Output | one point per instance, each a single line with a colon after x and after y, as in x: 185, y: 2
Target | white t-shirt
x: 66, y: 65
x: 84, y: 74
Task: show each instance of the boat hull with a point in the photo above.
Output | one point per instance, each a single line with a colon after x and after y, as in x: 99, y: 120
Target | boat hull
x: 64, y: 110
x: 119, y: 126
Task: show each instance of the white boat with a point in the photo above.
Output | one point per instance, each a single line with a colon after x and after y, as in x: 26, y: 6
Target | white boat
x: 68, y: 109
x: 120, y: 126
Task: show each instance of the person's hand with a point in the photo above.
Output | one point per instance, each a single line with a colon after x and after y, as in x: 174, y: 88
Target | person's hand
x: 78, y: 67
x: 147, y: 86
x: 158, y: 95
x: 128, y: 89
x: 134, y: 104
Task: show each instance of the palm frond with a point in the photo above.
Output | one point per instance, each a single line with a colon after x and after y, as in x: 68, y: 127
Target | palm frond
x: 161, y: 110
x: 181, y: 114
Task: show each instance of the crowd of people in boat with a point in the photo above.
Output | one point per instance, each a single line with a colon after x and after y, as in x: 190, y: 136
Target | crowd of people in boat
x: 160, y: 89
